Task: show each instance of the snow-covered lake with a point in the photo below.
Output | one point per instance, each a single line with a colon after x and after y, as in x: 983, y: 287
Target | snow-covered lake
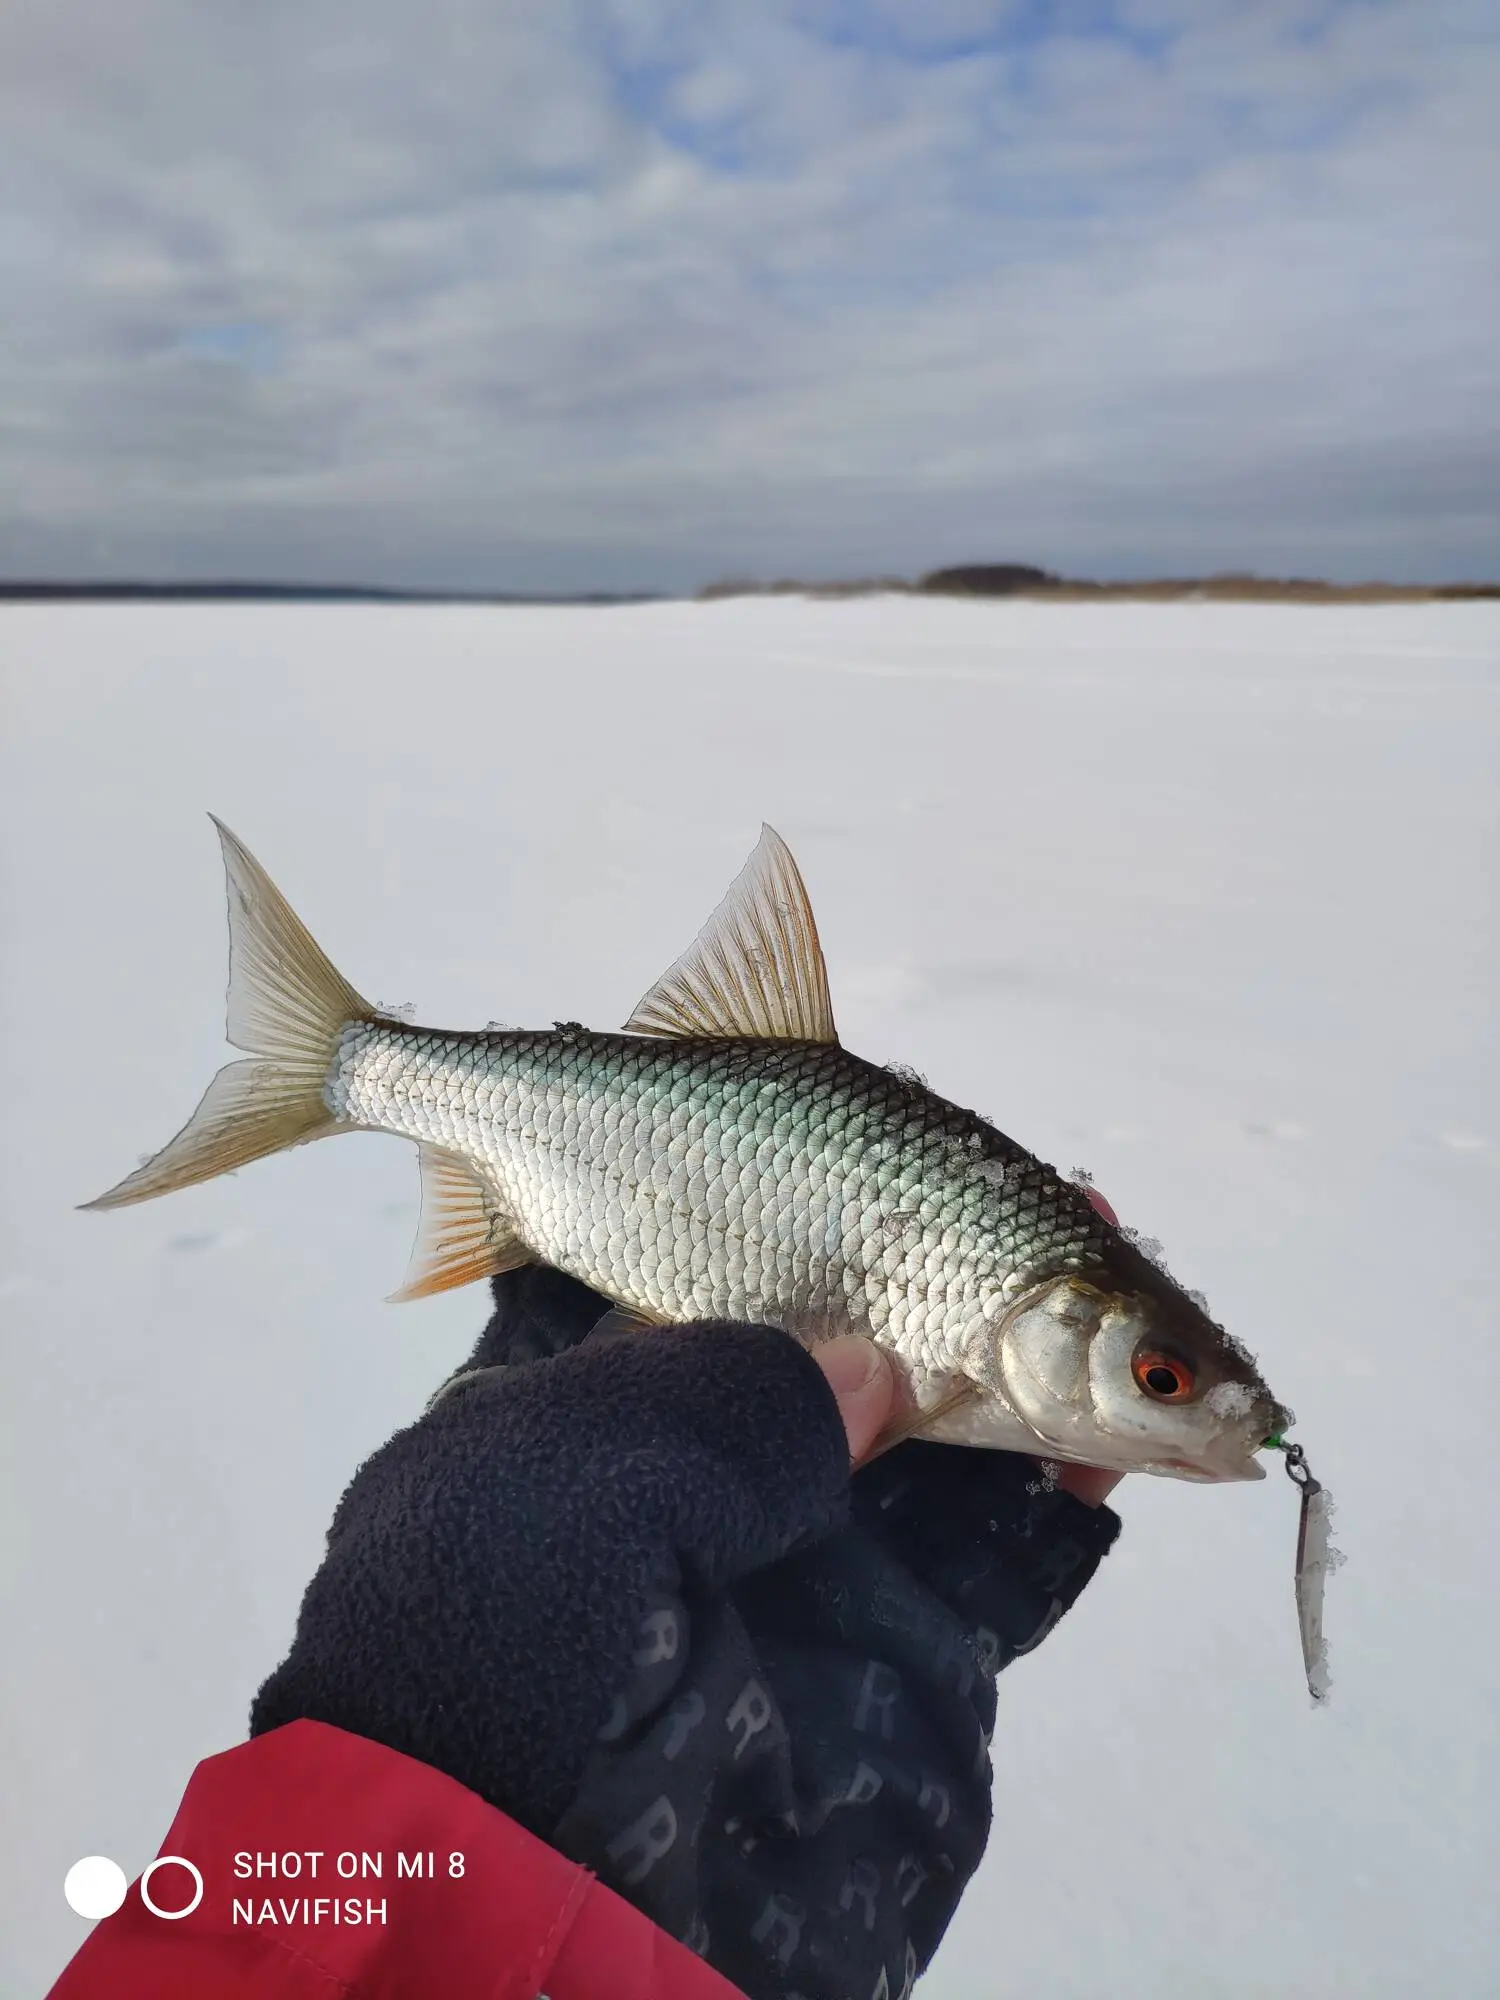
x: 1201, y: 898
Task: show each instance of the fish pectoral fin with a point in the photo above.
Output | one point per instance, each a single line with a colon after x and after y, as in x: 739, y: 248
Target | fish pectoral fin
x: 755, y: 969
x: 464, y: 1234
x: 624, y: 1319
x: 911, y: 1423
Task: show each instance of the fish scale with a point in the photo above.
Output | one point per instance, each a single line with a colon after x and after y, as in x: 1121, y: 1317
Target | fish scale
x: 717, y: 1179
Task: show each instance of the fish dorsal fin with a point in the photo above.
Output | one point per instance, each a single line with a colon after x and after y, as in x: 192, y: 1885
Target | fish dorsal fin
x: 464, y: 1234
x: 756, y: 967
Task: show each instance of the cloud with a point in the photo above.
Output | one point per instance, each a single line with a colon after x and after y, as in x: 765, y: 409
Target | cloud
x: 640, y: 291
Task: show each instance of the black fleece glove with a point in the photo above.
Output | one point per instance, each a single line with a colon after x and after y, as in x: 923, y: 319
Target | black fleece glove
x: 627, y: 1591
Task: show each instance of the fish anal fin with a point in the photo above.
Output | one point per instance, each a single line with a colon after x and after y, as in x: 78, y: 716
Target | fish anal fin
x: 464, y: 1235
x: 755, y: 969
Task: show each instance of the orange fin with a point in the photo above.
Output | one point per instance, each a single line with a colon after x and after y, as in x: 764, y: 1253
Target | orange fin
x: 464, y: 1235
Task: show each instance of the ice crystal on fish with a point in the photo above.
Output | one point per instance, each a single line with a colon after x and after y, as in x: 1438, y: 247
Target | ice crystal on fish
x: 1149, y: 1246
x: 1230, y: 1399
x: 904, y: 1073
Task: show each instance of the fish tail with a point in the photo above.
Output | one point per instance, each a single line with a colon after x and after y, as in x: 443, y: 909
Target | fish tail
x: 288, y: 1006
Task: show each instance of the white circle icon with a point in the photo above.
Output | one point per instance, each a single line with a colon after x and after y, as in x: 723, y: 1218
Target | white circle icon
x: 171, y: 1861
x: 94, y: 1887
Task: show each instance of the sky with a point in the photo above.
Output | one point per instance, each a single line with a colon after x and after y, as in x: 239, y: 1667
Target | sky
x: 640, y: 294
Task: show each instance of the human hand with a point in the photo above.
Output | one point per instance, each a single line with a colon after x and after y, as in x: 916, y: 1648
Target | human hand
x: 617, y: 1592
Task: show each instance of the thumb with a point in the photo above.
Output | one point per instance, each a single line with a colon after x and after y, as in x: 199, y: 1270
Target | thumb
x: 864, y: 1386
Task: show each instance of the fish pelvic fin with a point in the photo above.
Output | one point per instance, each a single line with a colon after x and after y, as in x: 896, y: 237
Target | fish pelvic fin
x: 288, y: 1007
x: 911, y: 1423
x: 464, y: 1233
x: 756, y: 967
x: 624, y: 1319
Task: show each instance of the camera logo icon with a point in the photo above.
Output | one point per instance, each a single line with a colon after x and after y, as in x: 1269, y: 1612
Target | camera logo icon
x: 95, y: 1887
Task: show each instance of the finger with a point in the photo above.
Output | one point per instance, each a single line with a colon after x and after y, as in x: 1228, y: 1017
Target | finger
x: 1091, y: 1484
x: 864, y: 1386
x: 1097, y: 1201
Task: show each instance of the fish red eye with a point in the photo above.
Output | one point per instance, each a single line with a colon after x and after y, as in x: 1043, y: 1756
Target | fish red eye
x: 1166, y: 1377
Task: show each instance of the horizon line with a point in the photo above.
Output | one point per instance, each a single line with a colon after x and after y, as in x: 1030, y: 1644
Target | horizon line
x: 973, y: 580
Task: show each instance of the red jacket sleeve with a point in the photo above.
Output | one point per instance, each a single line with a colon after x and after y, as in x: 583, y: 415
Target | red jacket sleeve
x: 335, y: 1869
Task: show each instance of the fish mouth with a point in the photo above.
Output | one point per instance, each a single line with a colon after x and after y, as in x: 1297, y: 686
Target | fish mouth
x: 1211, y: 1472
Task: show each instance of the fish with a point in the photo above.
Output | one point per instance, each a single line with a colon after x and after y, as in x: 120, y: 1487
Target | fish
x: 724, y: 1157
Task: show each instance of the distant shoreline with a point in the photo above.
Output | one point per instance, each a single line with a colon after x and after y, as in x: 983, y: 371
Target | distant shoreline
x: 304, y: 593
x: 1012, y: 580
x: 975, y: 581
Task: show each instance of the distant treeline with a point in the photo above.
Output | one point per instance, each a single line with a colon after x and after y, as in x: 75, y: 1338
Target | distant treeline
x: 1023, y: 580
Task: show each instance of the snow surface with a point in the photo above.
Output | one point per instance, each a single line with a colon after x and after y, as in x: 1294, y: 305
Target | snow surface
x: 1200, y: 898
